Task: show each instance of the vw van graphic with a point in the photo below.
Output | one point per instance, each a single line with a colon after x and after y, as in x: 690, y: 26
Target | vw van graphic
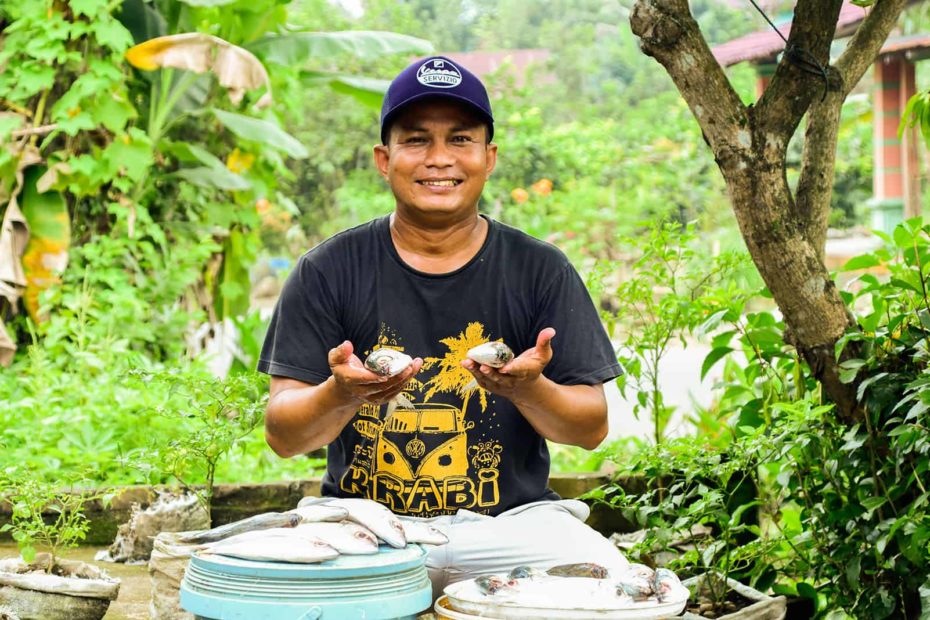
x: 428, y: 440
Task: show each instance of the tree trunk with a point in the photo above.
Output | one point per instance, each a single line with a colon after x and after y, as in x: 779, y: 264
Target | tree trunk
x: 785, y: 233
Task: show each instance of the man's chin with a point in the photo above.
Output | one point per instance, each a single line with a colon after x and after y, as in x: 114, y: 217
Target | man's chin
x: 442, y: 209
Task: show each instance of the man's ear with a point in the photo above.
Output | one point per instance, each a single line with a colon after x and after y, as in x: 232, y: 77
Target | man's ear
x: 491, y: 158
x: 382, y: 155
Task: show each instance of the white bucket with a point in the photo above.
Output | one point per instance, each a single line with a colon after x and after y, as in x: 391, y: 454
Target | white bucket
x: 445, y: 612
x: 486, y: 611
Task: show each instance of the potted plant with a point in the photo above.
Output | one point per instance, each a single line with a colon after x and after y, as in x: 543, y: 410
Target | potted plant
x: 716, y: 596
x: 698, y: 510
x: 43, y: 585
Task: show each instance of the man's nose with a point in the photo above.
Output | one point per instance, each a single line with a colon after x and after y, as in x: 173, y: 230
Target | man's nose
x: 439, y: 154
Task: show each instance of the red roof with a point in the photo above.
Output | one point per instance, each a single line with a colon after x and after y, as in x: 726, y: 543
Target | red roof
x: 766, y: 44
x: 906, y: 44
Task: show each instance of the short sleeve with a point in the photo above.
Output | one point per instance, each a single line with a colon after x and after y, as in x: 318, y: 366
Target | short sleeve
x: 582, y: 351
x: 304, y: 327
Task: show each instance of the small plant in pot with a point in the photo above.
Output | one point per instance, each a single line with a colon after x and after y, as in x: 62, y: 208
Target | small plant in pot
x: 691, y: 487
x: 209, y: 417
x: 41, y: 585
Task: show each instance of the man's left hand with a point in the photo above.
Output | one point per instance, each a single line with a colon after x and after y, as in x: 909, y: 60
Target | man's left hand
x: 518, y: 375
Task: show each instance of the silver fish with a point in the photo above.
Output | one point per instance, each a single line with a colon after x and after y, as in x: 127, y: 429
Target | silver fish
x: 387, y: 362
x: 418, y: 532
x: 640, y: 571
x: 494, y: 354
x: 526, y: 572
x: 665, y: 583
x: 491, y: 584
x: 258, y: 522
x: 637, y: 588
x: 586, y: 569
x: 345, y: 537
x: 375, y: 517
x: 319, y: 512
x: 275, y: 548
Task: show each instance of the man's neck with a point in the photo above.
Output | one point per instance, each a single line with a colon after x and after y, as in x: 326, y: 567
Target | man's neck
x: 438, y: 249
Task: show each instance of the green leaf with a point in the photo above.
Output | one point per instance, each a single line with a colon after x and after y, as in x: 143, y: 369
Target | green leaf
x: 871, y: 503
x: 112, y: 34
x: 367, y: 91
x: 129, y: 154
x: 295, y: 49
x: 712, y: 358
x: 113, y: 110
x: 711, y: 323
x: 902, y: 238
x: 28, y: 552
x: 905, y: 285
x: 262, y: 131
x: 204, y: 176
x: 9, y: 123
x: 142, y: 21
x: 869, y: 381
x: 90, y: 8
x: 861, y: 262
x: 806, y: 590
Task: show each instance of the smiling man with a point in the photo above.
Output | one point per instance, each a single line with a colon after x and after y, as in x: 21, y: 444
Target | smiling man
x: 434, y: 279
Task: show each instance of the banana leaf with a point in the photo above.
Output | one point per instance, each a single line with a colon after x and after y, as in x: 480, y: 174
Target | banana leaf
x: 261, y: 131
x: 296, y: 48
x: 236, y: 68
x: 368, y: 91
x: 46, y: 254
x: 142, y: 20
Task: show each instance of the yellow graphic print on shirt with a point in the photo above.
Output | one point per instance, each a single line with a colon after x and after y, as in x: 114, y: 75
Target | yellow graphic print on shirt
x: 420, y: 462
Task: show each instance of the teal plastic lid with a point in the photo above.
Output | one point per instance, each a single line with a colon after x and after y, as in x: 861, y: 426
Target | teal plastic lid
x: 390, y: 584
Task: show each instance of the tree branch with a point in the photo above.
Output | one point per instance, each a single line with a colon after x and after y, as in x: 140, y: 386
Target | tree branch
x: 792, y: 88
x: 811, y: 207
x: 669, y: 33
x: 864, y: 46
x: 815, y: 185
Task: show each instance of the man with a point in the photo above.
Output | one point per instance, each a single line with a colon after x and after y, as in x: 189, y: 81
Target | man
x: 435, y: 279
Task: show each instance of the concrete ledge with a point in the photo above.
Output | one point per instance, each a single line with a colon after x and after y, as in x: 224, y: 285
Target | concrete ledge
x: 232, y: 502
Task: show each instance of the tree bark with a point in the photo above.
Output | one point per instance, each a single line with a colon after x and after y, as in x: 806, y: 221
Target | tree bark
x: 785, y: 234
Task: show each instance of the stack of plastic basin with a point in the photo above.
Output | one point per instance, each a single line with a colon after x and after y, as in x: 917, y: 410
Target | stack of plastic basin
x: 391, y: 584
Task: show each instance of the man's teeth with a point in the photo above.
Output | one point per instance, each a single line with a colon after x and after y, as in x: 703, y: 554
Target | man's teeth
x: 451, y: 183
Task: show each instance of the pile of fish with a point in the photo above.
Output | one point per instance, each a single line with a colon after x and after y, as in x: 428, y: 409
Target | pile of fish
x: 588, y: 585
x: 316, y: 531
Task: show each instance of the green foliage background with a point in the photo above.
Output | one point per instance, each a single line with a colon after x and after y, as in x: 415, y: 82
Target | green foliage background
x: 181, y: 200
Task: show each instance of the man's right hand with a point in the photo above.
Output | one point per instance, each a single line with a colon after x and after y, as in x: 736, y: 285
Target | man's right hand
x: 362, y: 385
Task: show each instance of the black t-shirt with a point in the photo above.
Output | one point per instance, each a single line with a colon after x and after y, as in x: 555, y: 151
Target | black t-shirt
x: 458, y: 447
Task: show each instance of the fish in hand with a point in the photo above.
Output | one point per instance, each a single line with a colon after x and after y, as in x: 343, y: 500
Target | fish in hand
x: 389, y: 363
x: 494, y: 354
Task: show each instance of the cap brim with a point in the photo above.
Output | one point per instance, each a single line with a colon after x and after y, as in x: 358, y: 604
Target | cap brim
x: 390, y: 116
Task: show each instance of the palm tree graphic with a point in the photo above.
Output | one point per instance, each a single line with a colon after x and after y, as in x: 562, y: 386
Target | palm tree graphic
x: 452, y: 378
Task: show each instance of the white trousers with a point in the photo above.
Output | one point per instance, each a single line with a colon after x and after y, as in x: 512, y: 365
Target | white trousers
x: 541, y: 534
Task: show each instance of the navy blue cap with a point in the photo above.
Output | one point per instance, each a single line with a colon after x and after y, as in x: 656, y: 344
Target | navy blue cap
x: 435, y: 77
